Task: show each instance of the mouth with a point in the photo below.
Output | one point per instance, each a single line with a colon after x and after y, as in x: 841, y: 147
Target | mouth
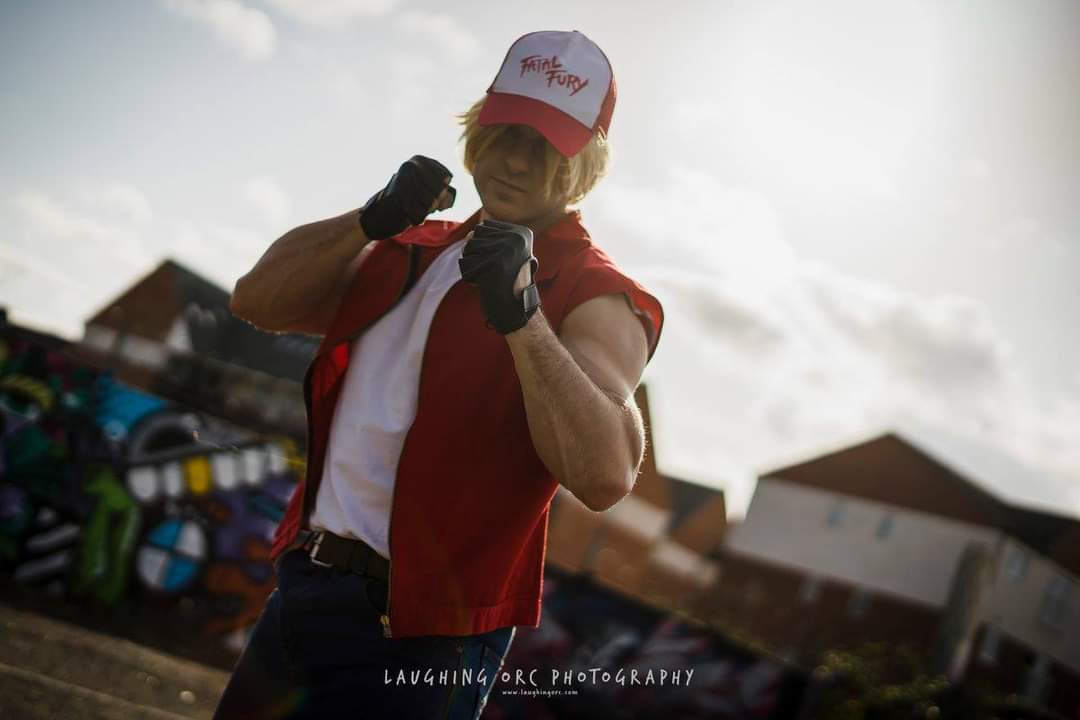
x: 507, y: 184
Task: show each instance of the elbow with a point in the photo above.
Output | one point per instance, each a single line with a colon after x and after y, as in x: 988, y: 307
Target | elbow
x: 616, y: 482
x: 604, y: 493
x: 235, y: 307
x: 239, y: 304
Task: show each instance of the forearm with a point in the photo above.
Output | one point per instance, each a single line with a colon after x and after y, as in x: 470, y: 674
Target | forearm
x: 590, y: 438
x: 297, y: 272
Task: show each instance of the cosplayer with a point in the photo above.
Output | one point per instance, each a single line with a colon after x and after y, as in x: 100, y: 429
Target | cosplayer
x: 466, y: 370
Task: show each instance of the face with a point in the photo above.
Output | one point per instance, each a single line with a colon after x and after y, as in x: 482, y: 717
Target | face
x: 509, y: 177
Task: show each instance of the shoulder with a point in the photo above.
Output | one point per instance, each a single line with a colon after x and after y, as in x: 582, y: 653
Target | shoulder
x: 608, y: 342
x: 589, y: 275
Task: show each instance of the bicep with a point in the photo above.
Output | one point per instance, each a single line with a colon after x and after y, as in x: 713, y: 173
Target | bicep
x: 317, y: 322
x: 608, y: 343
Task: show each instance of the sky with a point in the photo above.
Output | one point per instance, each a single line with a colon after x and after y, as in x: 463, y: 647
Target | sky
x: 858, y: 215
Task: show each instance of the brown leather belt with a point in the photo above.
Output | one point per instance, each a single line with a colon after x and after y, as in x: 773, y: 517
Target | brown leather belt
x: 346, y: 554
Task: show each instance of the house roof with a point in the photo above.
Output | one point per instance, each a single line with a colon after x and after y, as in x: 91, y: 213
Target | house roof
x: 975, y: 482
x: 698, y: 516
x: 177, y: 307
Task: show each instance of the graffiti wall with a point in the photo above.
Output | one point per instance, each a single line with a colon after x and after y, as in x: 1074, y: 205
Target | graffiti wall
x: 109, y: 495
x: 112, y: 497
x: 597, y: 654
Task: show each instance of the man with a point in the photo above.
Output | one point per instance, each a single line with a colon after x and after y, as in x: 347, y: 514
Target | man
x: 465, y: 371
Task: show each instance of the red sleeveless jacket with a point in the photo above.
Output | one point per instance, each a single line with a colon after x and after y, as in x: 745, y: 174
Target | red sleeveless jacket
x: 468, y: 520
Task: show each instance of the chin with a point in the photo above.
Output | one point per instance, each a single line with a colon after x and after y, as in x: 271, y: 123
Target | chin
x: 508, y: 218
x: 505, y: 212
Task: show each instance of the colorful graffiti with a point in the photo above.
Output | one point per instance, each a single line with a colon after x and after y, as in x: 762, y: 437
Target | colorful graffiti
x: 111, y: 495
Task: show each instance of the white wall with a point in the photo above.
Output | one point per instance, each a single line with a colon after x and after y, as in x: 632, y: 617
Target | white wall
x: 788, y: 524
x: 1013, y: 602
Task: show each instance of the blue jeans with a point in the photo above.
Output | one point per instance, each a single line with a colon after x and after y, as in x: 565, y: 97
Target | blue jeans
x: 318, y: 651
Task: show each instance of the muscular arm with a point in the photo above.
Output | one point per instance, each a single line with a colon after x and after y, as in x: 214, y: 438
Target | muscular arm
x: 299, y: 281
x: 579, y: 397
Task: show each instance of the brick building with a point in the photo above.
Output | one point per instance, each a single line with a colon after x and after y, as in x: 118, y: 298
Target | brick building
x: 172, y: 334
x: 886, y: 540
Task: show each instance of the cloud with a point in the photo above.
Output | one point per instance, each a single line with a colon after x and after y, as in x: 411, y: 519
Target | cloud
x: 820, y: 162
x: 66, y: 256
x: 690, y: 219
x: 944, y: 341
x: 754, y: 378
x: 220, y: 251
x: 246, y: 29
x: 765, y: 354
x: 270, y: 199
x: 61, y: 262
x: 49, y: 217
x: 15, y: 265
x: 444, y: 30
x: 332, y: 13
x: 125, y: 201
x: 409, y: 91
x: 65, y: 235
x: 36, y: 293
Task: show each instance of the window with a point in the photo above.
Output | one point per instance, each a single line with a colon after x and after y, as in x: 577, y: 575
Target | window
x: 1055, y: 602
x: 1016, y: 562
x: 885, y: 527
x: 810, y: 590
x: 836, y: 514
x: 988, y: 648
x: 859, y: 603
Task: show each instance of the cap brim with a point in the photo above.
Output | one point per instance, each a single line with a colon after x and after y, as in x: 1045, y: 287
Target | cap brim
x: 566, y: 134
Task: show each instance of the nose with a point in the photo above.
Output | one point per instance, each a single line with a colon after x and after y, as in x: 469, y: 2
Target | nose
x: 517, y: 159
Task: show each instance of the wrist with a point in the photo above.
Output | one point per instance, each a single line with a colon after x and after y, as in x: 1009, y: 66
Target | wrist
x: 376, y: 222
x: 515, y: 312
x: 350, y: 235
x: 534, y: 324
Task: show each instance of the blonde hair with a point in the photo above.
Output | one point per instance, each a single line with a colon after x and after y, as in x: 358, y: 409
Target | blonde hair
x: 572, y: 177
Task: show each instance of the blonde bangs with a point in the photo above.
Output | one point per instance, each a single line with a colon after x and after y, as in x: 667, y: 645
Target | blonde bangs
x: 572, y: 177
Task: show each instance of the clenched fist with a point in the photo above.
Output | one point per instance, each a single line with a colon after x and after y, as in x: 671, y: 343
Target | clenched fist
x: 420, y: 186
x: 492, y: 259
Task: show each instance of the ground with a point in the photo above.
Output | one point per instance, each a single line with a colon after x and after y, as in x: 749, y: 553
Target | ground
x: 50, y: 669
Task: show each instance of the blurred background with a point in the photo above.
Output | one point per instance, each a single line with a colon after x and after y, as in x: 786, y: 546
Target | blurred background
x: 861, y: 219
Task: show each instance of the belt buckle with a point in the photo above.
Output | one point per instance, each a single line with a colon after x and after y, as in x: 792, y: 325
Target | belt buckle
x: 315, y: 549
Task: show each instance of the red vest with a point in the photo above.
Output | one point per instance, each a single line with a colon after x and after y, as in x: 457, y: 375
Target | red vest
x: 468, y: 520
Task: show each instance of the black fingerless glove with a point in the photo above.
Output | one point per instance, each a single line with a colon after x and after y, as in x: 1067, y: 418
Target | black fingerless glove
x: 407, y: 198
x: 491, y: 261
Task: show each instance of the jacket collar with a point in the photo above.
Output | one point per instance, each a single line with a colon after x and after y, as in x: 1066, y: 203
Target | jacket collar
x: 551, y: 246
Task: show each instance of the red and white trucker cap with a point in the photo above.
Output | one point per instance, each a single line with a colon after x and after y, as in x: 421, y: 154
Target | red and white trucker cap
x: 558, y: 83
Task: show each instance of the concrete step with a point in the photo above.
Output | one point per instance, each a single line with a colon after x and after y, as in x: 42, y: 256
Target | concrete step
x: 26, y: 695
x: 49, y: 669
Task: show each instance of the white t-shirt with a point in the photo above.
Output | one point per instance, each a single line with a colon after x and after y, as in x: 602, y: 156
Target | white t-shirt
x: 376, y: 408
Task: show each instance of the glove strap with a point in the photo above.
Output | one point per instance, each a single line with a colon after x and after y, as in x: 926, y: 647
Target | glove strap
x: 530, y: 301
x: 369, y: 227
x: 530, y: 298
